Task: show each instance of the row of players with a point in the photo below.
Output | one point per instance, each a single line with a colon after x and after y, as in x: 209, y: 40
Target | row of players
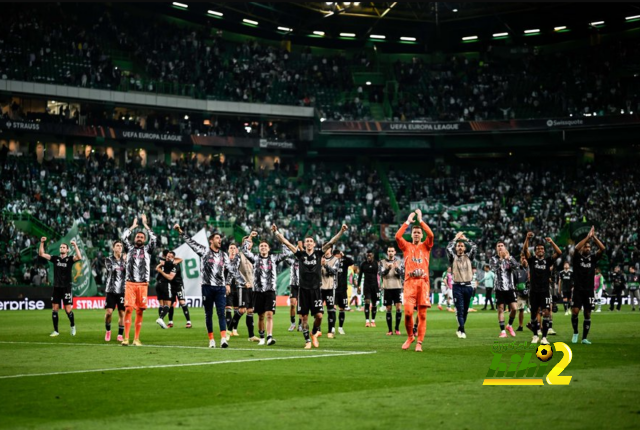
x: 249, y: 282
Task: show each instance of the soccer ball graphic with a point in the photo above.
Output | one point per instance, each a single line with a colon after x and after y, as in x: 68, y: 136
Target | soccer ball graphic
x: 544, y: 353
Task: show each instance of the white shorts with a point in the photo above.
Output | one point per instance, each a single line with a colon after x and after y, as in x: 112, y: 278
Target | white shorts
x: 447, y: 292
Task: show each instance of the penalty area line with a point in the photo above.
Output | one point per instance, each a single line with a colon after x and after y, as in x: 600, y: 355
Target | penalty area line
x: 165, y: 366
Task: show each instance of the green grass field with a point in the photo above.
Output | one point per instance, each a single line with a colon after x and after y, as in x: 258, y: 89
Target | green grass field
x: 174, y: 381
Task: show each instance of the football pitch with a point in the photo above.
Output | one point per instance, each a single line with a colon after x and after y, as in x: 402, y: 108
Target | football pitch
x: 361, y: 380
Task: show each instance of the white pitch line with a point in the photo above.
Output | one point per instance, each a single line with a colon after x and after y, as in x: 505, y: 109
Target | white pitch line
x: 164, y: 366
x: 184, y: 347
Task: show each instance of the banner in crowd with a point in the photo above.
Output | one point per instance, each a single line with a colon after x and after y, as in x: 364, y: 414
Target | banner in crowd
x: 81, y: 277
x: 136, y: 135
x: 426, y: 128
x: 191, y: 267
x: 438, y: 208
x: 51, y: 128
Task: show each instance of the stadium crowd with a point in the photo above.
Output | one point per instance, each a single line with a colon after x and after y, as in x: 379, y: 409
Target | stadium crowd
x: 198, y: 62
x: 587, y: 81
x: 102, y: 198
x: 512, y: 200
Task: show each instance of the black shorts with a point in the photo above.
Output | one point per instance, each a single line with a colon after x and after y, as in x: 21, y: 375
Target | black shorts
x: 62, y: 295
x: 372, y: 293
x: 583, y: 299
x: 264, y: 302
x: 392, y: 297
x: 566, y: 294
x: 178, y: 292
x: 293, y: 291
x: 246, y: 298
x: 329, y: 297
x: 233, y: 299
x: 342, y: 300
x: 539, y: 301
x: 309, y: 301
x: 114, y: 300
x: 164, y: 291
x: 505, y: 297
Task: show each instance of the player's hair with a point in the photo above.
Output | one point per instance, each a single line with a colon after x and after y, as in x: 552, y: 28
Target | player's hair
x: 391, y: 247
x: 309, y: 237
x: 486, y: 266
x: 232, y: 244
x: 416, y: 226
x: 214, y: 234
x: 171, y: 252
x: 336, y: 251
x: 165, y: 253
x: 462, y: 242
x: 500, y: 242
x: 65, y: 244
x: 263, y: 241
x: 539, y: 244
x: 115, y: 242
x: 142, y: 233
x: 369, y: 251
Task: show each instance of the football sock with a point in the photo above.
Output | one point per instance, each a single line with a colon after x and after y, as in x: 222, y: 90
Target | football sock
x: 574, y: 323
x: 305, y: 332
x: 138, y: 323
x: 236, y: 319
x: 249, y: 322
x: 398, y: 318
x: 261, y: 333
x: 501, y: 325
x: 586, y: 326
x: 120, y: 330
x: 314, y: 331
x: 72, y: 319
x: 107, y: 326
x: 366, y: 311
x: 341, y: 316
x: 55, y: 318
x: 511, y: 319
x: 389, y: 320
x: 127, y: 322
x: 185, y: 311
x: 374, y: 311
x: 332, y: 319
x: 171, y: 312
x: 164, y: 310
x: 228, y: 317
x: 422, y: 323
x: 293, y: 319
x: 545, y: 327
x: 408, y: 323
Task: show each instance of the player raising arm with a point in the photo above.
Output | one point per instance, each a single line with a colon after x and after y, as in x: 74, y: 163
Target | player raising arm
x: 416, y: 282
x: 310, y: 298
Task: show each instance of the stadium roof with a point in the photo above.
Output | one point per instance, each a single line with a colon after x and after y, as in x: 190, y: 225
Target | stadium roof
x: 435, y: 26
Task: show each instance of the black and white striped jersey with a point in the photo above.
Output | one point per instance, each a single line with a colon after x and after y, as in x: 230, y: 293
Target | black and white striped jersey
x: 116, y: 269
x: 139, y: 258
x: 265, y: 274
x: 294, y: 267
x: 229, y: 274
x: 213, y: 265
x: 505, y: 271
